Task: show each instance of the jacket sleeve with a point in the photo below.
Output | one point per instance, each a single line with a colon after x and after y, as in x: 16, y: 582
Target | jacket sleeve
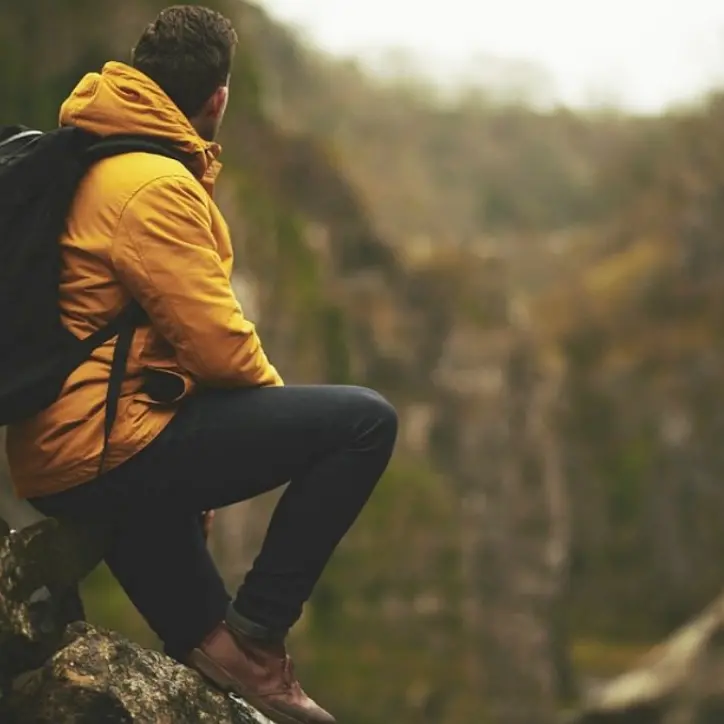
x: 165, y: 254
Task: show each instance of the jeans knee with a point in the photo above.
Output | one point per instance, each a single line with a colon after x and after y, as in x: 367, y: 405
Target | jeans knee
x: 379, y: 414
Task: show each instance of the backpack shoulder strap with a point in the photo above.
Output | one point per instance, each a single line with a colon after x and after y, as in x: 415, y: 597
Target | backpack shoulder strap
x: 130, y: 316
x: 119, y: 144
x: 124, y: 326
x: 14, y: 134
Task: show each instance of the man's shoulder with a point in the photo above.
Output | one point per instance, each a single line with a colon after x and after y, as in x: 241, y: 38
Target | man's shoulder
x: 115, y: 181
x: 133, y: 171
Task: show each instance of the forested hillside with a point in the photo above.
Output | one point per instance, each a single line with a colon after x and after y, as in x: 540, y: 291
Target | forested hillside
x: 540, y: 294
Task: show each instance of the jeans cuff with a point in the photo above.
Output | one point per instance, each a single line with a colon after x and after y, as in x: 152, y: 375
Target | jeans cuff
x: 246, y: 627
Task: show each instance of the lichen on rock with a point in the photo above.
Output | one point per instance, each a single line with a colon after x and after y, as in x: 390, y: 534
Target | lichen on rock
x: 98, y: 676
x: 58, y: 670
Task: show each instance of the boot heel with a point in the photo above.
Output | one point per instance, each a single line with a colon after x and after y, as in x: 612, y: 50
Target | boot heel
x: 214, y: 674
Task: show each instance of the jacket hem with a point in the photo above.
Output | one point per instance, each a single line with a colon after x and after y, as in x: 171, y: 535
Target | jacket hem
x: 84, y: 471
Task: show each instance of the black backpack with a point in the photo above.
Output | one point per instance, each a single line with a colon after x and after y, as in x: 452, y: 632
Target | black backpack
x: 39, y: 175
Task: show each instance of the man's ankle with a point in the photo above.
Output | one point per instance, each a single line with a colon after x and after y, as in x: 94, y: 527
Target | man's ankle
x: 245, y: 627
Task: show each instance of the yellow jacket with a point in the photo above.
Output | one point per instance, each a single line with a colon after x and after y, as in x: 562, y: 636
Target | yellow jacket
x: 146, y: 227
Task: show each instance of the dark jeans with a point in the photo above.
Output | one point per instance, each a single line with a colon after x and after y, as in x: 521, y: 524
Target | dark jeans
x: 224, y: 446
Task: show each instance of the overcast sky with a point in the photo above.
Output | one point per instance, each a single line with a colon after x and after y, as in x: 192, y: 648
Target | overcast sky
x: 644, y: 53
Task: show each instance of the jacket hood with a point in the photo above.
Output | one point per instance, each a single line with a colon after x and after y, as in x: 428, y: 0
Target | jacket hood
x: 121, y: 99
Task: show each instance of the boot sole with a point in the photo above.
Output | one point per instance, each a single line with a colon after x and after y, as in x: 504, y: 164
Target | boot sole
x: 220, y: 678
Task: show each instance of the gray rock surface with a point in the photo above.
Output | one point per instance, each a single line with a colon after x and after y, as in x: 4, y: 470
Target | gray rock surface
x: 56, y: 669
x: 98, y: 676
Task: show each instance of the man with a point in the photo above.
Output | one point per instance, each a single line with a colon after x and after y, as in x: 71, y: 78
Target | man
x: 204, y: 420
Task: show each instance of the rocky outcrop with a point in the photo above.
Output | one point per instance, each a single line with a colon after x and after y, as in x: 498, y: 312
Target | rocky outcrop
x: 55, y: 669
x: 98, y: 676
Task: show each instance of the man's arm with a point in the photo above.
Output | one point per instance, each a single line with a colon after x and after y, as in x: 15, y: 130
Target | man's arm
x: 165, y: 254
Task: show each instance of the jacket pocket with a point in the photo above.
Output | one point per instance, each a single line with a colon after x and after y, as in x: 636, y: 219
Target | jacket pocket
x: 165, y: 387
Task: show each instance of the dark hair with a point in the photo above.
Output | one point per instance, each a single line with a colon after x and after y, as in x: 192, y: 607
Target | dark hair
x: 187, y: 50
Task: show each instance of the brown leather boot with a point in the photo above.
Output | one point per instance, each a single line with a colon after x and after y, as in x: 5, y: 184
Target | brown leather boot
x: 259, y: 672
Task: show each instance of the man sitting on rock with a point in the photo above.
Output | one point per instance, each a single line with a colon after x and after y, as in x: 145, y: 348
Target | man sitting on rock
x: 204, y: 420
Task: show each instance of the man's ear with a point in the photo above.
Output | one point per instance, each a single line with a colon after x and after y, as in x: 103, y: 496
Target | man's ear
x: 217, y: 103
